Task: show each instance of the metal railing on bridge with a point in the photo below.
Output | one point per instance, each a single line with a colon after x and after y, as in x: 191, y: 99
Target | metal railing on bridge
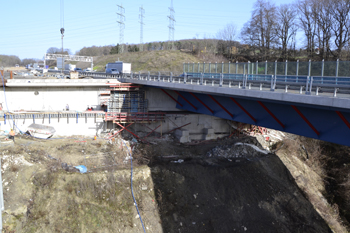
x: 288, y: 83
x: 310, y: 68
x: 319, y: 85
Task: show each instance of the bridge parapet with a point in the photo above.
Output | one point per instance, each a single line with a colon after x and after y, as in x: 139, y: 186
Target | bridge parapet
x: 318, y: 91
x: 315, y: 85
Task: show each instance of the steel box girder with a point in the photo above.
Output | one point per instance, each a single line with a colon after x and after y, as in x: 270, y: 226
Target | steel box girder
x: 311, y: 121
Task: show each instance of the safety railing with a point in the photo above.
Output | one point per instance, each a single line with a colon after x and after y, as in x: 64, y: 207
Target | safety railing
x: 9, y: 81
x: 261, y: 82
x: 134, y: 116
x: 50, y: 116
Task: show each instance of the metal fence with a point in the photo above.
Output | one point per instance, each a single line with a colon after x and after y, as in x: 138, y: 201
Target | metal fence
x: 321, y: 68
x: 329, y: 86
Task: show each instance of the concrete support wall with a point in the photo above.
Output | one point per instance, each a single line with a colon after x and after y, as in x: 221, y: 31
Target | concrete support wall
x: 159, y: 101
x: 198, y: 127
x: 65, y: 127
x: 50, y: 98
x: 78, y: 98
x: 53, y: 99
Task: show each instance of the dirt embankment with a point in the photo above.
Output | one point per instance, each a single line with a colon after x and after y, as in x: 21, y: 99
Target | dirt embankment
x: 216, y: 186
x: 321, y: 170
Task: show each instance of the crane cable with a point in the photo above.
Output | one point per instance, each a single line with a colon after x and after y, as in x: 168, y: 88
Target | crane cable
x: 62, y: 13
x: 62, y: 18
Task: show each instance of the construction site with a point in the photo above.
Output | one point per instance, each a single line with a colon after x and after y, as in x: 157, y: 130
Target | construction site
x: 97, y: 155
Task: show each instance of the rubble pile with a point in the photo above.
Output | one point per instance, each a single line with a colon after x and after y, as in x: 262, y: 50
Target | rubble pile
x: 237, y: 150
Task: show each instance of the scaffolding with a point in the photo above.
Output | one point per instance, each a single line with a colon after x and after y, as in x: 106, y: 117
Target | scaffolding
x: 132, y: 101
x: 137, y: 117
x: 108, y: 96
x: 126, y: 103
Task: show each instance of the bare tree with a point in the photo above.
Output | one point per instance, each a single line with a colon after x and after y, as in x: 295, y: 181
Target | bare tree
x: 228, y: 33
x: 9, y: 60
x: 340, y: 10
x: 324, y: 24
x: 226, y: 39
x: 53, y: 50
x: 286, y: 25
x: 260, y: 30
x: 308, y: 23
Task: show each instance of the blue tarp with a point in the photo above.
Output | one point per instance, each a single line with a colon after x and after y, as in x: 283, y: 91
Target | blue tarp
x: 81, y: 168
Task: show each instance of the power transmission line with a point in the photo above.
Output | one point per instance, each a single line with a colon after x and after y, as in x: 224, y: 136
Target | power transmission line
x: 141, y: 16
x: 171, y: 26
x: 121, y: 22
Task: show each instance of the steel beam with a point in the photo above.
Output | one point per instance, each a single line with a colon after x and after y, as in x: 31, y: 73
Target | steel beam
x: 244, y: 110
x: 178, y: 128
x: 127, y: 129
x: 172, y: 97
x: 120, y: 130
x: 343, y: 118
x: 273, y: 116
x: 152, y: 131
x: 200, y: 101
x: 306, y: 120
x: 217, y: 102
x: 186, y: 100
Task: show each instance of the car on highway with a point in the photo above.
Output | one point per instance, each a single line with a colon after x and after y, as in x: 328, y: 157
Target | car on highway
x: 78, y: 69
x: 88, y: 70
x: 112, y: 71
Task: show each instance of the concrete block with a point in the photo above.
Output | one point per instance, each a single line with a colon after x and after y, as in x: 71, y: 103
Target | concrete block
x: 181, y: 132
x: 208, y: 131
x: 209, y: 134
x: 182, y: 135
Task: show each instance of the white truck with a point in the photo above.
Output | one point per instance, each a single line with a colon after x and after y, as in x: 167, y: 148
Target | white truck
x: 118, y: 67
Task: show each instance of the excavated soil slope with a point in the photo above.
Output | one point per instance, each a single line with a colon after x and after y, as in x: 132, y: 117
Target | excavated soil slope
x: 222, y: 195
x: 212, y: 187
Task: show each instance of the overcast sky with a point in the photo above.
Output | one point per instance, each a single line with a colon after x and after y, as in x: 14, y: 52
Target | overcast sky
x: 29, y: 28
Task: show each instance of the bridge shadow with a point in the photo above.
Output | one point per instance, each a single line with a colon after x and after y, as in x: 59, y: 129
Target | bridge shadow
x: 209, y: 194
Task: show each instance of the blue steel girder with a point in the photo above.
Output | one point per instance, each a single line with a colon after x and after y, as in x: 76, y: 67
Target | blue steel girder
x: 300, y: 119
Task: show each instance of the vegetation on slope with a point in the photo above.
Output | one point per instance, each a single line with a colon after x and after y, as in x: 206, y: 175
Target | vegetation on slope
x: 158, y: 60
x: 321, y: 170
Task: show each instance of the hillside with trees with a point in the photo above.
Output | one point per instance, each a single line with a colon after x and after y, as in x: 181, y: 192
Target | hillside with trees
x: 11, y: 60
x: 303, y: 30
x: 322, y: 27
